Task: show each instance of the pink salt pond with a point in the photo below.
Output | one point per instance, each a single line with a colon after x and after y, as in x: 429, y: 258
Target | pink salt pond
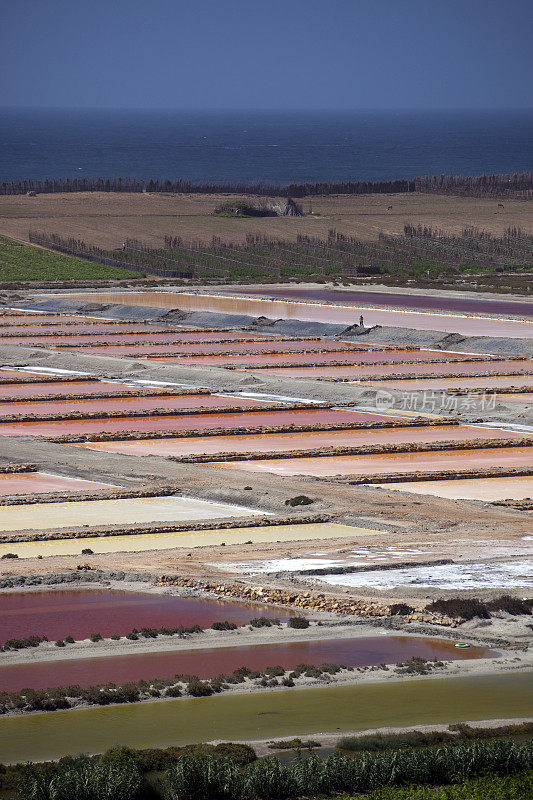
x: 41, y: 482
x: 44, y: 388
x: 210, y: 662
x: 440, y: 368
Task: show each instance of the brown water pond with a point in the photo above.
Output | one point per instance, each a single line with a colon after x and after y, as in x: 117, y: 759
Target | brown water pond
x: 210, y: 662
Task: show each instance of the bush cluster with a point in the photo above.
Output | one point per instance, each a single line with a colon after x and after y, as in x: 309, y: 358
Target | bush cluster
x: 468, y: 608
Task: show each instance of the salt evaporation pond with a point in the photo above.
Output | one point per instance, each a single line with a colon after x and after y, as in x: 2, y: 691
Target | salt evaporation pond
x: 183, y: 422
x: 102, y: 335
x: 280, y: 442
x: 432, y: 461
x: 441, y: 384
x: 407, y: 300
x: 296, y: 347
x: 526, y: 398
x: 126, y: 511
x: 126, y: 404
x: 210, y: 662
x: 134, y: 543
x: 500, y: 575
x: 266, y: 715
x: 56, y: 613
x: 352, y: 359
x: 439, y: 368
x: 40, y: 389
x: 315, y: 312
x: 35, y: 482
x: 486, y: 489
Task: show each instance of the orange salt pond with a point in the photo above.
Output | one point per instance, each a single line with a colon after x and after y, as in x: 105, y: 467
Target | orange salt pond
x: 192, y: 421
x: 435, y: 461
x: 295, y: 348
x: 516, y: 397
x: 487, y: 489
x: 37, y: 482
x: 99, y: 335
x: 279, y: 442
x: 124, y: 404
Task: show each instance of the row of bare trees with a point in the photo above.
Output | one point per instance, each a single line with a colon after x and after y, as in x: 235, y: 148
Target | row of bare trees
x: 500, y: 186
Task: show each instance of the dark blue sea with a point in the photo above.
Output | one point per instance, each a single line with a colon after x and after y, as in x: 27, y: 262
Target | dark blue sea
x: 266, y: 146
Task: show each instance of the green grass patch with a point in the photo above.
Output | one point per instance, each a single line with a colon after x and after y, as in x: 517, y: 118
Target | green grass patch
x: 22, y: 262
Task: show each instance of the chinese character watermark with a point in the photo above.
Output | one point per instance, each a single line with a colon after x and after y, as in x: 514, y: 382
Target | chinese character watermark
x: 432, y: 402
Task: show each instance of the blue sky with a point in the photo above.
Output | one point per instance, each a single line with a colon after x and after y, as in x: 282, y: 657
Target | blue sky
x: 282, y: 54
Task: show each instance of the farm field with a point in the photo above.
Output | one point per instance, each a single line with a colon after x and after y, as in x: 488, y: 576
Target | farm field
x: 106, y: 219
x: 20, y: 262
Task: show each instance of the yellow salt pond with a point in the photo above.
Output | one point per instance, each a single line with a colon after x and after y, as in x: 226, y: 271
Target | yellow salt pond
x: 164, y: 541
x: 487, y: 489
x: 125, y: 511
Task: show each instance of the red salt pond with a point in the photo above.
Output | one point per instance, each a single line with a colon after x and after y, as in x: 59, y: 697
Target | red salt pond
x: 390, y: 462
x: 81, y: 387
x: 210, y: 662
x: 193, y: 421
x: 279, y: 442
x: 125, y: 404
x: 440, y: 368
x: 58, y: 613
x: 35, y: 482
x: 526, y: 398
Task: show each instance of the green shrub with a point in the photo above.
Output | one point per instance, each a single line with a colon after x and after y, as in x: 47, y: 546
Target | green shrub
x: 400, y: 609
x: 460, y: 607
x: 9, y: 555
x: 223, y: 626
x: 87, y: 551
x: 298, y: 622
x: 198, y: 688
x: 60, y: 643
x: 96, y: 637
x: 202, y: 777
x: 511, y: 605
x: 69, y: 639
x: 299, y: 500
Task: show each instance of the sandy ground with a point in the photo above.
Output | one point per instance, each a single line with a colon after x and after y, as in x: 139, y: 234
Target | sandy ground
x: 107, y: 219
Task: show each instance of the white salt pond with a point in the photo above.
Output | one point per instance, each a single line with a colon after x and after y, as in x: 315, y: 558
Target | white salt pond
x: 164, y: 541
x: 487, y: 489
x: 504, y: 575
x: 125, y: 511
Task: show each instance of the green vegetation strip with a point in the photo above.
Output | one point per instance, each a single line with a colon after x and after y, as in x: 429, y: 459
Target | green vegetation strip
x: 21, y: 262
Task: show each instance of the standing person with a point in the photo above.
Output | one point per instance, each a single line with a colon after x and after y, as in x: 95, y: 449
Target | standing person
x: 361, y: 323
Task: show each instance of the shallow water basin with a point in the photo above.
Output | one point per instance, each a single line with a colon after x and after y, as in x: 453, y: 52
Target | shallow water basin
x: 135, y: 543
x: 487, y: 489
x: 316, y: 312
x: 486, y: 385
x: 35, y: 482
x: 440, y: 368
x: 81, y: 388
x: 193, y: 421
x: 126, y: 404
x: 389, y: 463
x: 56, y: 613
x: 210, y: 662
x: 280, y: 442
x: 267, y: 715
x: 354, y: 357
x: 115, y: 512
